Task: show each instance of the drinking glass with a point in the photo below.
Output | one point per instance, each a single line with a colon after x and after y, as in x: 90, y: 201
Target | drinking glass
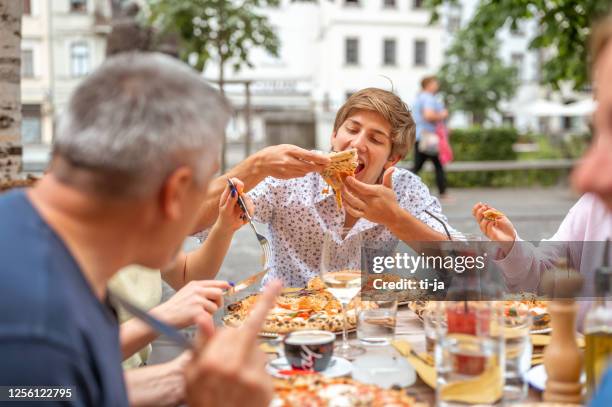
x: 340, y: 271
x: 376, y: 322
x: 517, y: 327
x: 469, y: 356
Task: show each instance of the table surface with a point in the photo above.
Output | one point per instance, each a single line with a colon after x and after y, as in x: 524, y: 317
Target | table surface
x: 410, y: 329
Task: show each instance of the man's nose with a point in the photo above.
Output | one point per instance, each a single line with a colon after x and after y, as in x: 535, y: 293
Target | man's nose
x: 359, y: 142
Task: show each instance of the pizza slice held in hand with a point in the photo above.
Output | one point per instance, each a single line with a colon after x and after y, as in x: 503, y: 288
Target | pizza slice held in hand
x: 493, y: 214
x: 343, y: 164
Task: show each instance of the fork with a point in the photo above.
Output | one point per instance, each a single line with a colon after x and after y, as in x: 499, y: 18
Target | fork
x: 265, y: 246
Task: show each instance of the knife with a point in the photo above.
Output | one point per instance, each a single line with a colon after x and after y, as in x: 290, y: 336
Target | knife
x: 247, y: 282
x: 172, y: 333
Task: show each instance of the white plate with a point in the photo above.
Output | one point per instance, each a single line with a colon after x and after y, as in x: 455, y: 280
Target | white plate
x: 536, y: 377
x: 338, y: 367
x: 541, y: 331
x: 384, y: 371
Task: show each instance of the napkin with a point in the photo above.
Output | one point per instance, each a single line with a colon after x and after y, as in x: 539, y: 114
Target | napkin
x: 426, y: 372
x: 480, y: 390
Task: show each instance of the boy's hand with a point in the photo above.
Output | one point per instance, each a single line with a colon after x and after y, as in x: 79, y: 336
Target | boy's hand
x: 231, y: 216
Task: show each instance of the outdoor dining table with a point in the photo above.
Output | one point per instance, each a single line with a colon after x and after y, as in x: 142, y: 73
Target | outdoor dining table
x: 410, y: 329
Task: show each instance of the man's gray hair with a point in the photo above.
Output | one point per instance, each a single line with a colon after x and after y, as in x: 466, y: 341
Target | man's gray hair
x: 140, y: 116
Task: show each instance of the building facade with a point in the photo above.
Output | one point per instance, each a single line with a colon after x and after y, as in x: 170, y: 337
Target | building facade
x: 62, y: 41
x: 330, y: 49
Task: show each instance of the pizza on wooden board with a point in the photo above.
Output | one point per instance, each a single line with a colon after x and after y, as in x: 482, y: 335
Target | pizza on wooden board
x: 318, y: 391
x: 312, y: 307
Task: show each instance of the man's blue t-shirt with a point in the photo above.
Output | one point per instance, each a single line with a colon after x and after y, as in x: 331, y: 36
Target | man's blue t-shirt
x: 425, y: 100
x: 54, y: 331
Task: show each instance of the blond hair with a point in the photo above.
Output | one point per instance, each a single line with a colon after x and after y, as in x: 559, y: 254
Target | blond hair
x: 389, y: 106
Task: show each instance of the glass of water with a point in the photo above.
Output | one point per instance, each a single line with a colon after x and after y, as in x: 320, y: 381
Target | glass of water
x: 517, y: 326
x: 376, y: 322
x: 469, y: 356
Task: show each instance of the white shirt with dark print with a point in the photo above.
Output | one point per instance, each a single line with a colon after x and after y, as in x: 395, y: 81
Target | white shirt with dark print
x: 298, y: 215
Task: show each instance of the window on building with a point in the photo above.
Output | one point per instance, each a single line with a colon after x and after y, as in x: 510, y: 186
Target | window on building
x: 454, y: 23
x: 417, y: 4
x: 420, y: 53
x: 517, y: 60
x: 27, y: 63
x: 79, y: 59
x: 389, y: 52
x: 27, y: 7
x: 389, y: 4
x: 30, y: 124
x: 351, y: 54
x: 78, y: 6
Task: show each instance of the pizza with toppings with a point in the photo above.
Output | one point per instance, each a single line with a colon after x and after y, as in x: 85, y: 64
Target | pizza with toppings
x: 538, y: 309
x: 312, y: 307
x: 343, y: 164
x: 319, y: 391
x: 523, y: 303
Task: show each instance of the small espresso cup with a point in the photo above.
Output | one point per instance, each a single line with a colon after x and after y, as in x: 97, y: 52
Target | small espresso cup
x: 309, y: 350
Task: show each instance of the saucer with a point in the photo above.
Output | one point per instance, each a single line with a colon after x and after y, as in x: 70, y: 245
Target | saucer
x: 338, y: 367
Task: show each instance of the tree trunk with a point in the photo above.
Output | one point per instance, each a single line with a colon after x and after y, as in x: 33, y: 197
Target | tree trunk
x: 222, y: 90
x: 10, y: 91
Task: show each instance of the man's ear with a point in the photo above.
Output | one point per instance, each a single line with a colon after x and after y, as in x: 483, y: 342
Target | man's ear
x: 392, y: 160
x: 174, y: 192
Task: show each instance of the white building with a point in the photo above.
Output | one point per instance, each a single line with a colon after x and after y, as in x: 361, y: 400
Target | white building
x: 330, y: 49
x: 62, y: 40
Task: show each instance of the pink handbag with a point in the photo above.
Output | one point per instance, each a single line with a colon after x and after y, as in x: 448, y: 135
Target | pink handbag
x: 446, y: 152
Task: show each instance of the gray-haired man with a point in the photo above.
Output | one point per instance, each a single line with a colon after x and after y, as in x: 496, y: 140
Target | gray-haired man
x: 134, y: 153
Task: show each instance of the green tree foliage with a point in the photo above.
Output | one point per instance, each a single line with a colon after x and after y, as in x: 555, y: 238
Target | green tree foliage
x: 226, y: 30
x: 563, y: 30
x: 474, y: 79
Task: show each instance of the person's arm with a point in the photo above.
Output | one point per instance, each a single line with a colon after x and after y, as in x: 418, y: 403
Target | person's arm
x: 432, y: 110
x: 159, y: 385
x: 283, y: 161
x: 522, y: 264
x: 205, y: 262
x: 180, y: 311
x: 432, y: 116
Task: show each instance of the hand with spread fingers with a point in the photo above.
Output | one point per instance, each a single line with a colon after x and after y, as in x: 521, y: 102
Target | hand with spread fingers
x: 286, y: 161
x: 228, y: 368
x: 494, y: 224
x: 376, y: 203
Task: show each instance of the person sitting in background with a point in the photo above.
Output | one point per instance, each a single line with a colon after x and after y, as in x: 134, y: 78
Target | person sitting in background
x: 133, y: 155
